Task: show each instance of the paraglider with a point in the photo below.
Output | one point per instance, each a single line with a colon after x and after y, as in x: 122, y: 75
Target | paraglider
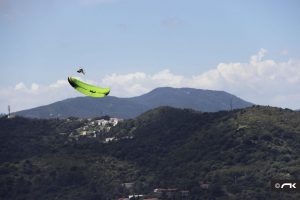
x: 81, y: 70
x: 87, y: 89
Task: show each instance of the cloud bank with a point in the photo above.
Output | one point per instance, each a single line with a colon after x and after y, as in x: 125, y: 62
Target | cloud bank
x: 22, y: 96
x: 261, y: 81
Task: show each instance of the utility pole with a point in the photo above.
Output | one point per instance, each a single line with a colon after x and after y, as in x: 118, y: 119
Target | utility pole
x: 8, y: 111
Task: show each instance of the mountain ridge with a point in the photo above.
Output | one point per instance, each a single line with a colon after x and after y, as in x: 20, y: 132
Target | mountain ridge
x: 130, y: 107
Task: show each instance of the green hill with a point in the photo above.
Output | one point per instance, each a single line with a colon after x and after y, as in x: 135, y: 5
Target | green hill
x: 236, y: 152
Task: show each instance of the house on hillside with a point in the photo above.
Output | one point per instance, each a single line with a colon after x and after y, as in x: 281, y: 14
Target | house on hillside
x: 204, y: 185
x: 102, y: 122
x: 109, y: 139
x: 169, y: 193
x: 128, y: 185
x: 83, y: 133
x: 115, y: 121
x: 10, y: 116
x: 135, y: 196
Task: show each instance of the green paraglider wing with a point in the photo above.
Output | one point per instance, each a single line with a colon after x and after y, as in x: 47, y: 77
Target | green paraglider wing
x: 88, y: 89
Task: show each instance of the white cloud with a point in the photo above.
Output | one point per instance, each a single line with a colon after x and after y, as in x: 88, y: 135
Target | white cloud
x: 166, y: 78
x: 23, y: 97
x: 34, y: 87
x: 261, y: 81
x: 20, y: 86
x: 258, y: 57
x: 126, y: 84
x: 59, y: 84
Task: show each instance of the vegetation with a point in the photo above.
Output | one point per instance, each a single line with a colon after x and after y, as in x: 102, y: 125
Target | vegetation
x: 236, y: 153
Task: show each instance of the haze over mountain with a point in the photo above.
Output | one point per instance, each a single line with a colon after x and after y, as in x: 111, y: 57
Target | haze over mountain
x: 197, y: 99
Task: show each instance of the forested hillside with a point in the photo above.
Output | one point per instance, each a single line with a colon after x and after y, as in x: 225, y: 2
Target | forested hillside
x: 234, y: 154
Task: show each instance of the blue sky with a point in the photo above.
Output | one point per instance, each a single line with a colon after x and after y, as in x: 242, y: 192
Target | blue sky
x: 42, y: 42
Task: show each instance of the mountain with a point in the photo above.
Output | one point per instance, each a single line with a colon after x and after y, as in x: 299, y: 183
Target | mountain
x: 86, y: 107
x: 197, y: 99
x: 234, y: 154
